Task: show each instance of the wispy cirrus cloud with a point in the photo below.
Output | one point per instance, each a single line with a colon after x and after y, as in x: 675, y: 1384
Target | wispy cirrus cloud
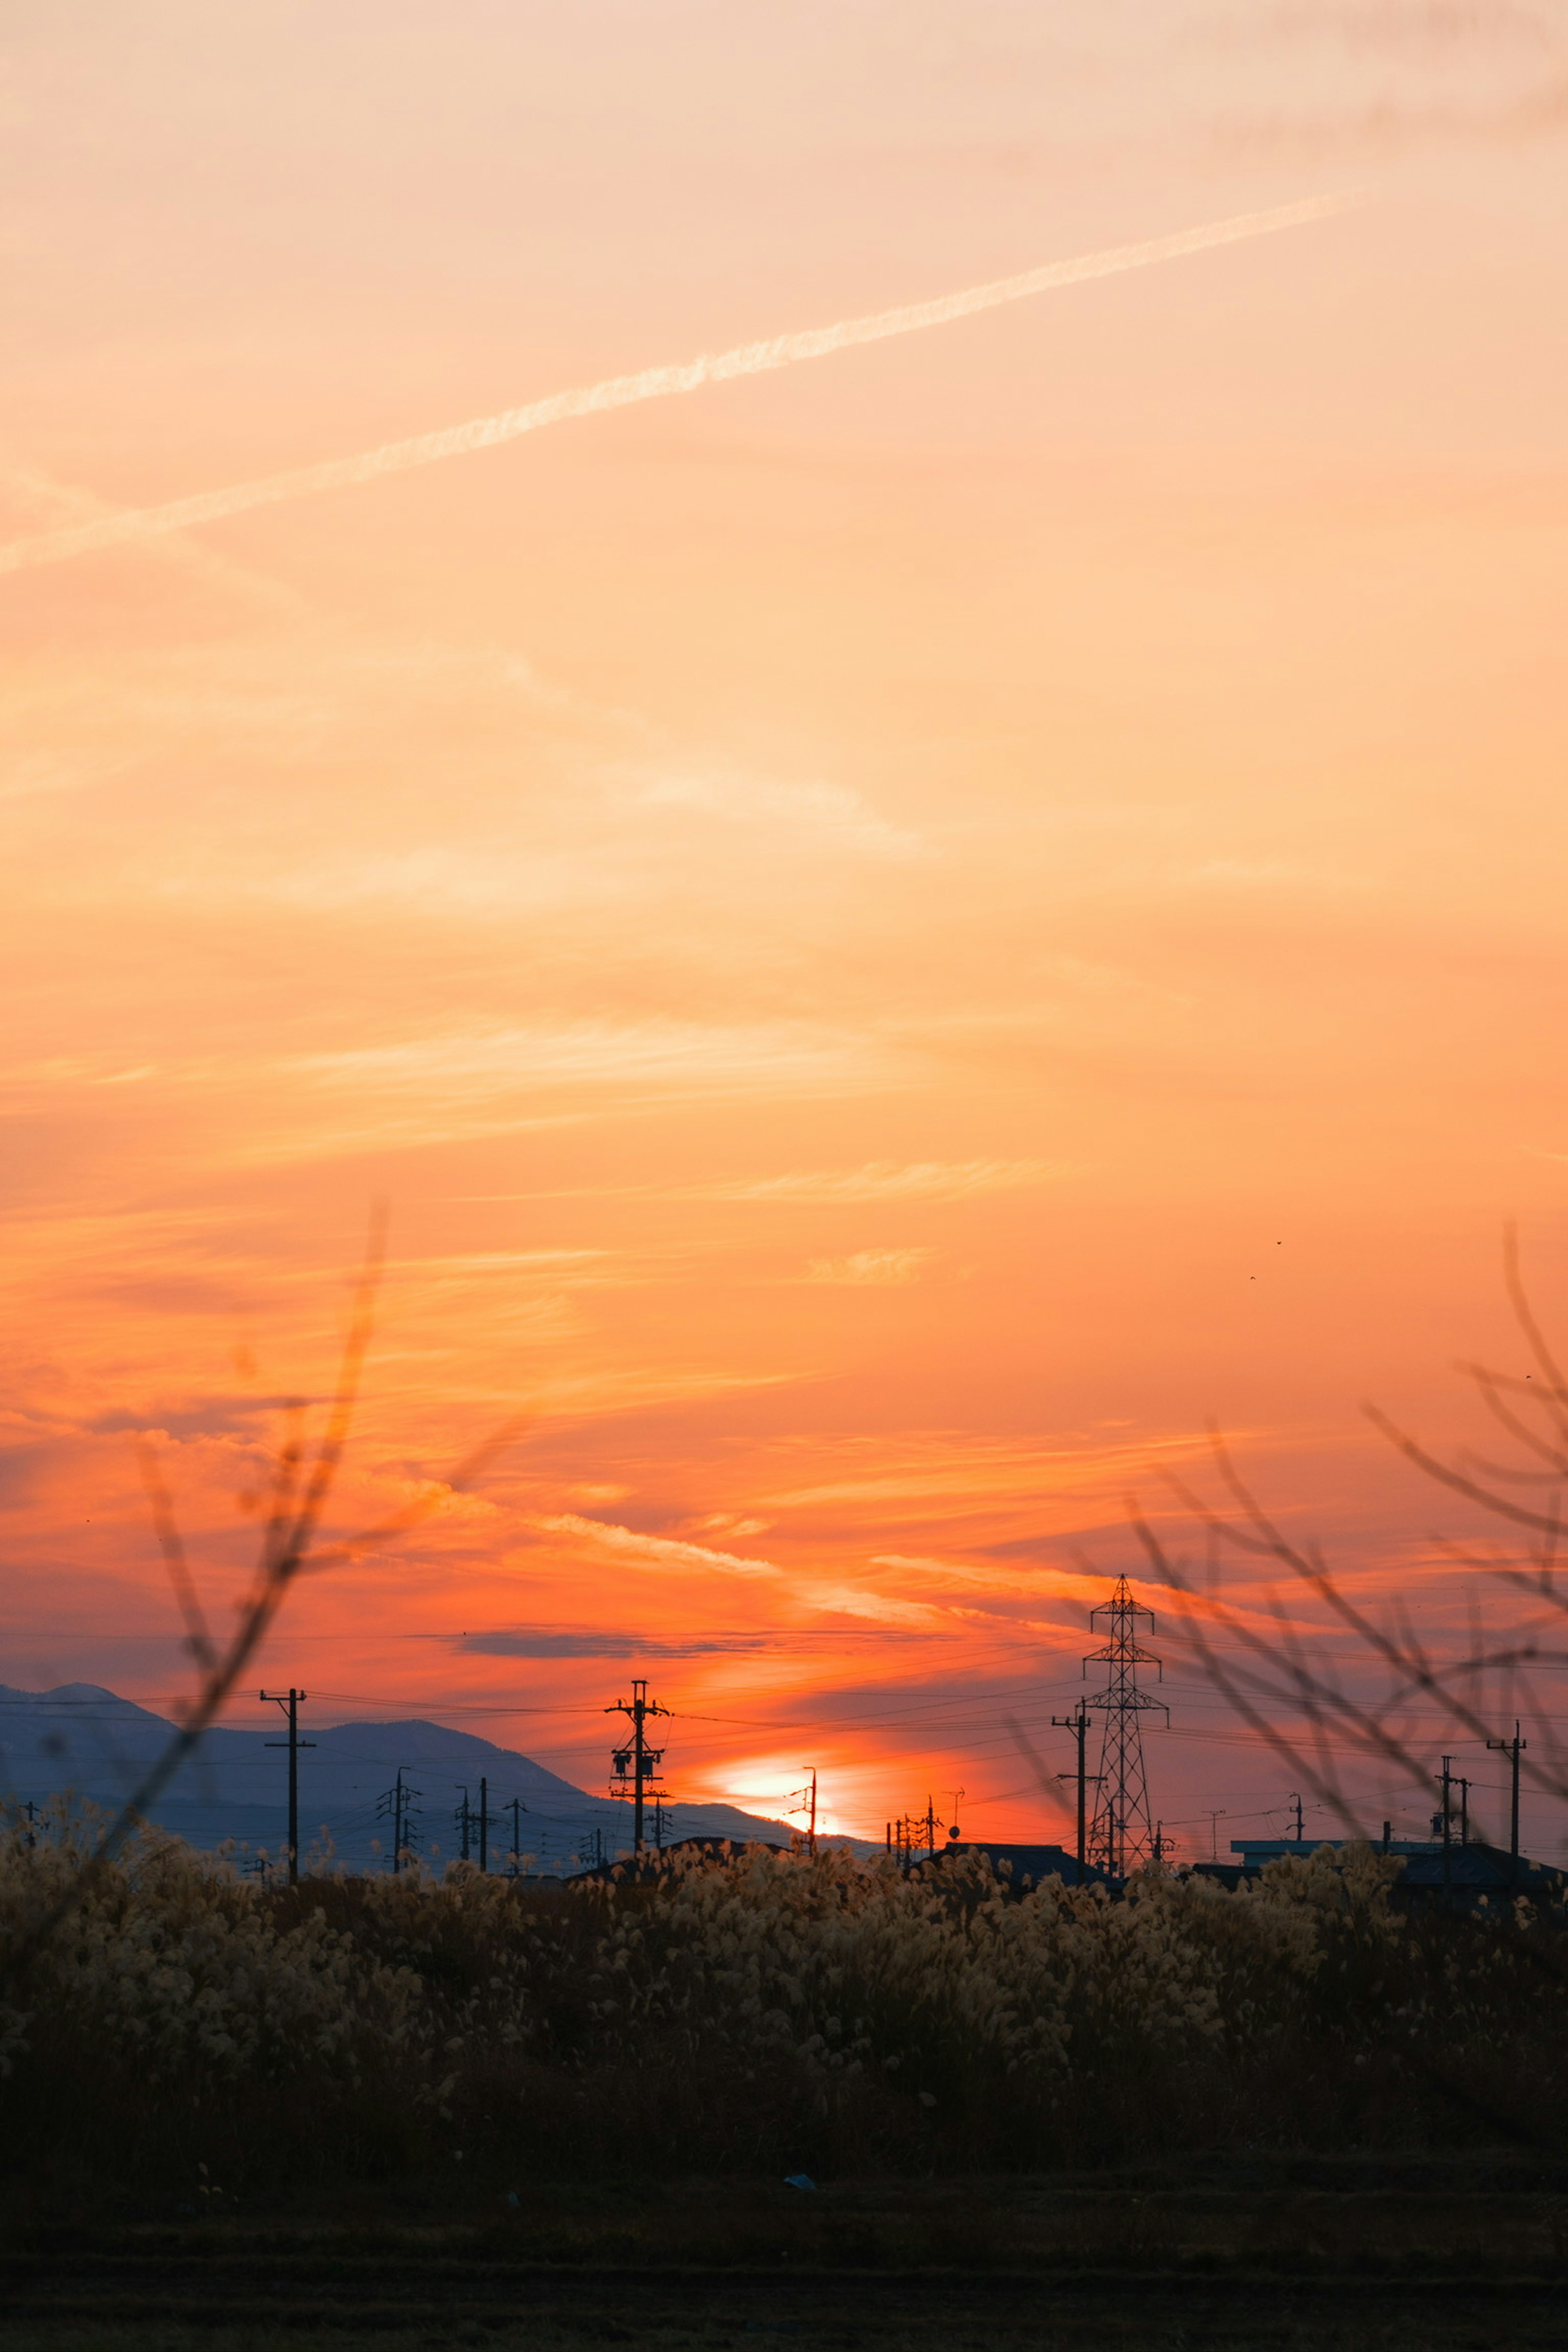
x: 822, y: 814
x: 880, y: 1608
x: 893, y: 1180
x: 1371, y: 79
x: 652, y: 1551
x: 658, y: 1053
x: 1041, y: 1583
x: 872, y: 1268
x: 529, y: 1642
x: 881, y: 1180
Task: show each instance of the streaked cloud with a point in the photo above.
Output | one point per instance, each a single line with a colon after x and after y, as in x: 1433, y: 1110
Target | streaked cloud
x: 872, y: 1268
x: 829, y: 815
x: 658, y: 1054
x: 880, y: 1608
x: 652, y: 1551
x: 542, y: 1642
x: 881, y: 1180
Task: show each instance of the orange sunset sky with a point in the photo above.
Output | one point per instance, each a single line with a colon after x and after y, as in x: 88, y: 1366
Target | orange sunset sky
x: 895, y: 933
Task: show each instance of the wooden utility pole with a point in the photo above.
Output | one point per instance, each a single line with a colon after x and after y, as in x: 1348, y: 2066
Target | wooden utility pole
x: 290, y: 1705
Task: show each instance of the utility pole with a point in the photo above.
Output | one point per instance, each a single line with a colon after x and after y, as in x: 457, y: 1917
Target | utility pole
x: 1464, y: 1810
x: 290, y: 1705
x: 398, y: 1802
x: 1300, y: 1832
x: 1511, y: 1748
x: 1447, y: 1777
x: 804, y: 1801
x: 517, y: 1810
x: 1124, y: 1834
x: 1078, y: 1724
x: 637, y: 1767
x: 484, y: 1823
x: 930, y: 1827
x: 463, y: 1816
x: 1215, y: 1814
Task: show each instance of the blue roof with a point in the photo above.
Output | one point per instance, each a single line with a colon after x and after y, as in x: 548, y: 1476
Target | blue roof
x: 1032, y: 1862
x: 1475, y: 1865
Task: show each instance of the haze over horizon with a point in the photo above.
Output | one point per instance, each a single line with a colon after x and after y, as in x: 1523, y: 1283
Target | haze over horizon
x: 896, y: 934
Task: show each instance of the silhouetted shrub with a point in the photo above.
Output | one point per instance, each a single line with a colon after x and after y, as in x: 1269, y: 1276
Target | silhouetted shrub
x: 750, y: 2013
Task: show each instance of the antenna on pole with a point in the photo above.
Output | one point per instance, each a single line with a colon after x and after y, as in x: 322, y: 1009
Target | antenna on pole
x: 1124, y: 1834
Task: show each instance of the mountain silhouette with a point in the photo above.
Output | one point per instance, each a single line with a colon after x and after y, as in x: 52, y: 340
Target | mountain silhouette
x: 83, y: 1741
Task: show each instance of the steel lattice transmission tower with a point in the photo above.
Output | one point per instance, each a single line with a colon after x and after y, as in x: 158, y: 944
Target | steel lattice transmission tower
x: 1123, y: 1835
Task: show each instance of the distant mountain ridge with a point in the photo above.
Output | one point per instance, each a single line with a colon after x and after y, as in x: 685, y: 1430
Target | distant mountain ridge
x: 88, y: 1740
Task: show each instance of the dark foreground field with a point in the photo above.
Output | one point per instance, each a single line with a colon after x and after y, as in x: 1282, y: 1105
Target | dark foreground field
x: 1411, y: 2256
x: 241, y: 2115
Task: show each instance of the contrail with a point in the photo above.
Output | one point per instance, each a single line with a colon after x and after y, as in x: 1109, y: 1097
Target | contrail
x: 652, y: 383
x: 39, y: 489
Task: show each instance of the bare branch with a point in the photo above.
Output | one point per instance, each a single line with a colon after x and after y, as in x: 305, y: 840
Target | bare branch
x: 299, y: 1499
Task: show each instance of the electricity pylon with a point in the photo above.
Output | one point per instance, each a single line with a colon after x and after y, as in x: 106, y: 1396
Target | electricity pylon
x: 1124, y: 1834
